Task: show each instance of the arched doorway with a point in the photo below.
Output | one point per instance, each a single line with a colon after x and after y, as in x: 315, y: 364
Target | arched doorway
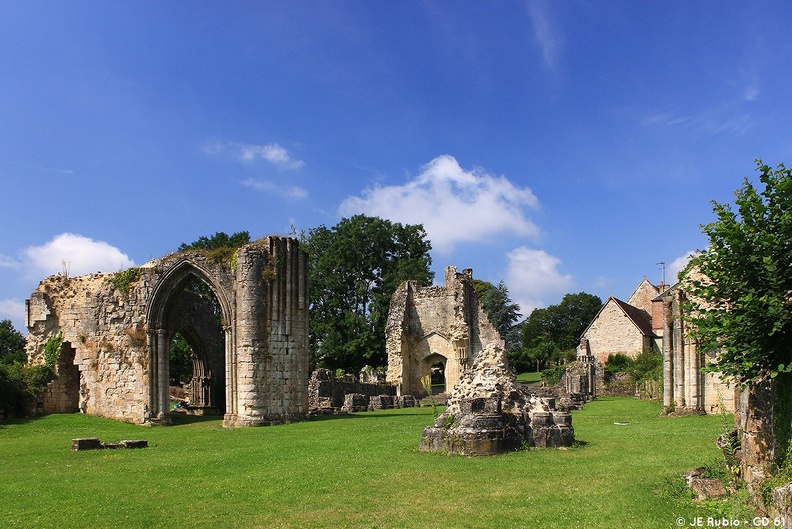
x: 435, y: 369
x: 189, y: 313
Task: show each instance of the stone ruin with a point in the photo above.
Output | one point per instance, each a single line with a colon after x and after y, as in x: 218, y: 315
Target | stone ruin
x: 329, y: 394
x: 435, y: 333
x: 244, y: 314
x: 489, y: 412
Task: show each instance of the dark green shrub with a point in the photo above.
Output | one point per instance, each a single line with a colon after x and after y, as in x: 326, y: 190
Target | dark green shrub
x: 552, y: 375
x: 617, y: 363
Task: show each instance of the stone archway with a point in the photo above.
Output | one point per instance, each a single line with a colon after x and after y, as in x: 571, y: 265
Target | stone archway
x: 175, y: 308
x: 120, y: 326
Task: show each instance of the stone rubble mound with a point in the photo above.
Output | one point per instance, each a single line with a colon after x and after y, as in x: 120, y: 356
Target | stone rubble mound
x: 489, y: 412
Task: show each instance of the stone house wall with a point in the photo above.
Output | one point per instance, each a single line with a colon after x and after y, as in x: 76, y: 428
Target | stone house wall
x: 613, y: 332
x: 643, y: 295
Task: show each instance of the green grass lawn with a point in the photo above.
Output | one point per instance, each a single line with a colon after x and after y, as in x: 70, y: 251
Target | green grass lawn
x: 362, y: 470
x: 529, y: 377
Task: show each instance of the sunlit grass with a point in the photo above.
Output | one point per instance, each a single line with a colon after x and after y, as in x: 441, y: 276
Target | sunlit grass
x: 362, y: 470
x: 529, y: 377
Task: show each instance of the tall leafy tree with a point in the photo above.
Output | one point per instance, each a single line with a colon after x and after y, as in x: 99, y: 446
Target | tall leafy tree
x: 502, y: 312
x: 740, y: 286
x: 548, y: 332
x: 354, y: 269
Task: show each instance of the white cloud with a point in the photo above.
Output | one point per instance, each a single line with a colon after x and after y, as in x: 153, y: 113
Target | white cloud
x: 78, y: 254
x: 454, y: 205
x: 534, y: 276
x: 272, y: 153
x: 292, y: 192
x: 676, y: 266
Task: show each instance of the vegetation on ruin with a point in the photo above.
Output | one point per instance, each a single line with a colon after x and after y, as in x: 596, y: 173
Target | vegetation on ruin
x: 355, y: 267
x: 360, y: 470
x: 220, y: 247
x: 123, y: 280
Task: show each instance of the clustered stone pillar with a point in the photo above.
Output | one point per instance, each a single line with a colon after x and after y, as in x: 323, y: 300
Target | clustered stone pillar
x: 159, y: 394
x: 668, y: 359
x: 682, y: 362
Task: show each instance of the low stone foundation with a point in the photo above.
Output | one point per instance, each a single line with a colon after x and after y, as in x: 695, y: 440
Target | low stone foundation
x: 93, y: 443
x: 329, y: 394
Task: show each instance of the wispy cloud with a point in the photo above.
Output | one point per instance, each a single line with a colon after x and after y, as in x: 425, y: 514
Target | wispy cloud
x: 725, y: 118
x: 453, y: 204
x: 291, y: 192
x: 77, y: 254
x: 547, y: 36
x: 534, y: 276
x: 14, y: 310
x: 677, y: 265
x: 271, y: 152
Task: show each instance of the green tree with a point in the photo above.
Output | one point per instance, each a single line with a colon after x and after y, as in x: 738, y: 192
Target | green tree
x: 354, y: 269
x: 12, y: 343
x: 19, y: 382
x: 740, y: 286
x: 549, y: 332
x: 501, y: 311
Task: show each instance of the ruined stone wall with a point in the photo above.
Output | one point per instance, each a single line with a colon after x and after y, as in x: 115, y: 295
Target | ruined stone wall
x: 327, y: 393
x: 106, y: 330
x: 438, y: 323
x: 614, y: 333
x: 120, y: 333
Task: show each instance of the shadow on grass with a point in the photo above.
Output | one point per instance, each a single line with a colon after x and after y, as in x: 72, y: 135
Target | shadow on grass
x: 369, y: 415
x: 182, y: 419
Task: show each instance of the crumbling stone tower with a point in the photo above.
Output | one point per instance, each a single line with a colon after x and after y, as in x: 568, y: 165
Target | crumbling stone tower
x: 243, y: 313
x: 438, y: 328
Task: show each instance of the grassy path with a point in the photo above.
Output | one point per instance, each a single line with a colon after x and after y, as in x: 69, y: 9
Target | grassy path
x: 362, y: 470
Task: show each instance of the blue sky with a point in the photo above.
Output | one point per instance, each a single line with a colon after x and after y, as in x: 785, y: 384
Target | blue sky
x: 558, y: 146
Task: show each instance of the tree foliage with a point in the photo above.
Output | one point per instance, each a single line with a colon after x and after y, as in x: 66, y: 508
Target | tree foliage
x: 550, y: 332
x: 501, y: 311
x: 218, y: 241
x: 740, y: 286
x: 12, y: 343
x: 354, y: 269
x: 19, y: 382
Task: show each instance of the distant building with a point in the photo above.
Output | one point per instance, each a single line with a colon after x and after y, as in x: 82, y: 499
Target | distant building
x: 652, y: 318
x: 622, y: 327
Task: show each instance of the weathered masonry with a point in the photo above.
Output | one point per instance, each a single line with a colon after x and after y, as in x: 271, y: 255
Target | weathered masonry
x: 244, y: 314
x: 435, y: 332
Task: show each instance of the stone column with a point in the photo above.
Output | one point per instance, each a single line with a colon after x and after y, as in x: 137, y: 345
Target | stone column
x: 230, y: 371
x: 668, y: 358
x: 679, y: 354
x: 153, y: 374
x: 162, y: 367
